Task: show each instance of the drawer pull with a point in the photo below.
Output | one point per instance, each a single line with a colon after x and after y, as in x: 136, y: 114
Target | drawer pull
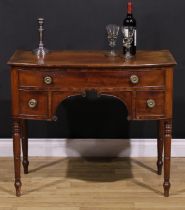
x: 134, y: 79
x: 32, y: 103
x: 48, y: 80
x: 150, y: 103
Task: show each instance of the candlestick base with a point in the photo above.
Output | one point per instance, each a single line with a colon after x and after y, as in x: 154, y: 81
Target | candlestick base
x: 40, y: 51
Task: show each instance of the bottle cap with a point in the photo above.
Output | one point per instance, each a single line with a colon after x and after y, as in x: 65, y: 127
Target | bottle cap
x: 129, y: 7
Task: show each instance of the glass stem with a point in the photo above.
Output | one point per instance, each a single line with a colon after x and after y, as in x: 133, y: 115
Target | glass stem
x: 113, y: 51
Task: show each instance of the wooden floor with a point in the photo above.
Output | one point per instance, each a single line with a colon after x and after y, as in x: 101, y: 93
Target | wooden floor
x: 92, y: 184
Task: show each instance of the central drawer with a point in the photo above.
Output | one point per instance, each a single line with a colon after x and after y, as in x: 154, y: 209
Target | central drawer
x: 91, y: 78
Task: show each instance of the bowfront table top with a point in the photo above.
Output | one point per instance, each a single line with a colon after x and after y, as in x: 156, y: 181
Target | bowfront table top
x: 94, y: 59
x: 144, y: 84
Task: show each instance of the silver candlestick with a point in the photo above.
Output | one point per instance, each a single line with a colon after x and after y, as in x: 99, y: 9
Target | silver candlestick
x: 41, y: 51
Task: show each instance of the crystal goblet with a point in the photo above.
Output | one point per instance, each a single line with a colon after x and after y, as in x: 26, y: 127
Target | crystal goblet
x: 112, y: 34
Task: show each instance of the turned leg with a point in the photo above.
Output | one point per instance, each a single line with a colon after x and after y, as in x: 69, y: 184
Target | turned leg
x: 24, y: 137
x: 17, y: 155
x: 167, y: 156
x: 160, y: 143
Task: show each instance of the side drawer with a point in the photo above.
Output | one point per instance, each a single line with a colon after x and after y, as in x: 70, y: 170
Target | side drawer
x: 150, y: 104
x: 33, y: 103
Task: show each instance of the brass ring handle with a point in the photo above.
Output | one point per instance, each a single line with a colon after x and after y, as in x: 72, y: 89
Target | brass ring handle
x: 151, y: 103
x: 32, y: 103
x: 134, y: 79
x: 48, y: 80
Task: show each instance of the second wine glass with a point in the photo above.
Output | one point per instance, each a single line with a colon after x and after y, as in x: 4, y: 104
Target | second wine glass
x: 128, y: 38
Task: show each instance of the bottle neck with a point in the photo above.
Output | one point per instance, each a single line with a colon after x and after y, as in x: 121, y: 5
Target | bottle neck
x: 129, y: 9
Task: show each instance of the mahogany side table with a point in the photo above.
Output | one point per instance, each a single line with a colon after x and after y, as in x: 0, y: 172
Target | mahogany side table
x: 144, y: 84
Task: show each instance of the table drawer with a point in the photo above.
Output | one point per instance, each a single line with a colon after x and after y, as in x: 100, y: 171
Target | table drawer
x: 33, y: 103
x: 150, y: 103
x: 91, y: 78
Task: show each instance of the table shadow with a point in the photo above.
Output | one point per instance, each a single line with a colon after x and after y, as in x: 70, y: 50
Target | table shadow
x: 88, y: 169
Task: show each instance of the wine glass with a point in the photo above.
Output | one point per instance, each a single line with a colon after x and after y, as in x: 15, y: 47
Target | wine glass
x: 128, y: 38
x: 112, y: 34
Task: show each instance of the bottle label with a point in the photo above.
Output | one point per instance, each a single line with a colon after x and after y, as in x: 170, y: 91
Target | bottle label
x: 125, y: 32
x: 130, y: 35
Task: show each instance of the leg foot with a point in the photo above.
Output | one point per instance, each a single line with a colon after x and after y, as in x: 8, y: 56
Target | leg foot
x: 18, y: 185
x: 166, y: 186
x: 159, y: 167
x: 25, y: 164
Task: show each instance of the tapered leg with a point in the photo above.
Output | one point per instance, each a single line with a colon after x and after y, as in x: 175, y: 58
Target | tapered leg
x: 160, y: 143
x: 167, y: 156
x: 17, y: 155
x: 24, y: 137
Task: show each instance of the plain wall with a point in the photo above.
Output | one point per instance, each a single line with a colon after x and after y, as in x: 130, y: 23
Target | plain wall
x: 80, y: 24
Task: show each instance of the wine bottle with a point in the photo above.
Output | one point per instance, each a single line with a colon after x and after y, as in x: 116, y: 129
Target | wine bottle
x: 129, y: 29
